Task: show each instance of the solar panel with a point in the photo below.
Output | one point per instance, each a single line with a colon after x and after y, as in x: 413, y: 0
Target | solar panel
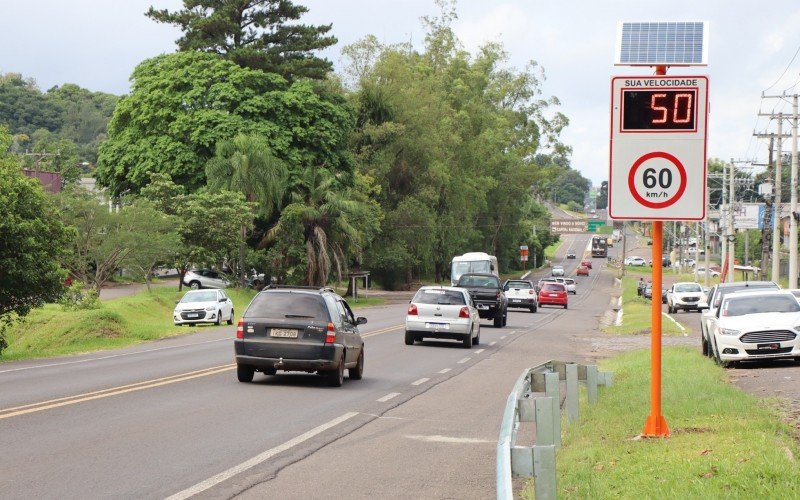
x: 662, y: 43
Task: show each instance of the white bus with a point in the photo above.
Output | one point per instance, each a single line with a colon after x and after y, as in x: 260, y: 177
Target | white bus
x: 473, y: 262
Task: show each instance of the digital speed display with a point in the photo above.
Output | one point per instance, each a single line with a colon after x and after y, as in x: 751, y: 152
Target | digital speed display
x: 654, y: 110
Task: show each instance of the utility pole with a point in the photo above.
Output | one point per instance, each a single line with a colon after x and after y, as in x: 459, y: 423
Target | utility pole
x: 731, y: 230
x: 766, y: 234
x: 793, y: 215
x: 705, y: 242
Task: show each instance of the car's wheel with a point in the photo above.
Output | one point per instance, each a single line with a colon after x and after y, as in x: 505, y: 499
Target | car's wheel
x: 195, y: 285
x: 467, y: 342
x: 477, y: 339
x: 505, y: 318
x: 336, y: 376
x: 704, y: 344
x: 498, y: 319
x: 245, y: 373
x: 565, y: 306
x: 533, y: 308
x: 219, y: 318
x: 409, y: 338
x: 357, y: 373
x: 720, y: 362
x: 230, y: 320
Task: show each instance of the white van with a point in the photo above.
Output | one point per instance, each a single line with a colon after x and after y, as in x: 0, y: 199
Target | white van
x: 473, y: 262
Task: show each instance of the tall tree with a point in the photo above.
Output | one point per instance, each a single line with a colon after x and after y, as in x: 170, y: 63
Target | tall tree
x: 254, y: 34
x: 32, y: 241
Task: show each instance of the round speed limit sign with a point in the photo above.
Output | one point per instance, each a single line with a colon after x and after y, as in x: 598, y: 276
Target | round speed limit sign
x: 657, y: 180
x: 657, y: 165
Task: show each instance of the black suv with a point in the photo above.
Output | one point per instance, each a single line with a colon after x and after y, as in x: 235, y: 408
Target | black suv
x: 295, y: 328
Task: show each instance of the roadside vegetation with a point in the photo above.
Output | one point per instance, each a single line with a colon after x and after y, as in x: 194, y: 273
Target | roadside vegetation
x: 636, y: 312
x: 723, y: 444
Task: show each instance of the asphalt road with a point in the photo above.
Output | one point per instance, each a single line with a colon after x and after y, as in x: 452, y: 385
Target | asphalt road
x: 169, y: 418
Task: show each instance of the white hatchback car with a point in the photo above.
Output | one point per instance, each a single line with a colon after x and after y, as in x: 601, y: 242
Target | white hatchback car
x: 756, y: 325
x: 443, y: 312
x: 635, y: 261
x: 203, y: 306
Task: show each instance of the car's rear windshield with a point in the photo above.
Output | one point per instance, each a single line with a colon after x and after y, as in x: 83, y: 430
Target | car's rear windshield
x: 739, y: 306
x: 287, y: 305
x: 523, y: 285
x: 553, y: 287
x: 209, y: 296
x: 488, y: 281
x: 688, y: 287
x: 439, y: 297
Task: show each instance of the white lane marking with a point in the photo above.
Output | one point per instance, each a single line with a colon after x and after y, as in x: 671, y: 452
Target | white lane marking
x: 492, y: 343
x: 445, y: 370
x: 512, y: 332
x: 114, y: 356
x: 479, y: 351
x: 503, y: 337
x: 258, y: 459
x: 463, y: 360
x: 420, y: 381
x: 673, y: 320
x: 389, y: 396
x: 449, y: 439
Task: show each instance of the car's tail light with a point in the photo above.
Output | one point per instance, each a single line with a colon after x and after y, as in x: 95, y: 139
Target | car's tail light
x: 412, y: 310
x: 530, y: 292
x: 464, y: 312
x: 331, y: 336
x: 240, y: 329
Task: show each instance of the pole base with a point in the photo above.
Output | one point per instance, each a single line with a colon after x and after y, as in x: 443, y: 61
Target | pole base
x: 655, y: 427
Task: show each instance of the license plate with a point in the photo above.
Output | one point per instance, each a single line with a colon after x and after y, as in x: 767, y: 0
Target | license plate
x: 483, y: 306
x: 192, y: 315
x: 554, y: 295
x: 440, y: 326
x: 516, y: 300
x: 283, y: 332
x: 768, y: 347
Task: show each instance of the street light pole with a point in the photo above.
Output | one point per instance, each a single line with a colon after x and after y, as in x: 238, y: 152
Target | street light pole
x: 793, y: 215
x: 731, y: 230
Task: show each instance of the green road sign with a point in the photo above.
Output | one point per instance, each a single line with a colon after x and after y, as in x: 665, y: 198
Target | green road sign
x: 595, y: 224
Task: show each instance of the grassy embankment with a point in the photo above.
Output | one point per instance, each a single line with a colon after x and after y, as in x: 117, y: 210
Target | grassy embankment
x: 636, y: 313
x: 53, y: 331
x: 723, y: 443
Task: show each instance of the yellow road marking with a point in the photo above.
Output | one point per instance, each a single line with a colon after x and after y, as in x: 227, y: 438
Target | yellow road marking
x: 384, y: 330
x: 114, y: 391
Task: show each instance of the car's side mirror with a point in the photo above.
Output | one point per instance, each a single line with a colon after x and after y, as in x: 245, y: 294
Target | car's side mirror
x: 223, y: 300
x: 361, y: 320
x: 505, y: 288
x: 177, y: 302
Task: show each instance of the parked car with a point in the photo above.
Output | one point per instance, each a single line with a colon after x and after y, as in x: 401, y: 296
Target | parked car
x: 553, y: 294
x: 663, y: 295
x: 582, y: 271
x: 487, y: 295
x: 587, y: 263
x: 756, y: 325
x: 684, y: 295
x: 557, y: 271
x: 701, y: 271
x: 521, y: 293
x: 205, y: 278
x: 296, y: 328
x: 635, y: 261
x: 203, y: 306
x: 570, y: 254
x: 648, y: 291
x: 715, y: 296
x: 443, y: 312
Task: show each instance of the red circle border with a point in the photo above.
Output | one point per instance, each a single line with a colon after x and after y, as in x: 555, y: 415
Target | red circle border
x: 650, y: 156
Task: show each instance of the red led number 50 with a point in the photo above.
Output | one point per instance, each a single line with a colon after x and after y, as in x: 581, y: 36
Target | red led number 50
x: 677, y: 108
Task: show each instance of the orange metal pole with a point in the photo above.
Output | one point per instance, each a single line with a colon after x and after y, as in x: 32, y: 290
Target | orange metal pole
x: 656, y: 425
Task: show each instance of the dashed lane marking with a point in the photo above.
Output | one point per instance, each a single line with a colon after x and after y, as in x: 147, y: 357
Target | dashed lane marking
x: 420, y: 381
x: 479, y: 351
x: 389, y: 396
x: 463, y: 360
x: 492, y: 343
x: 444, y: 371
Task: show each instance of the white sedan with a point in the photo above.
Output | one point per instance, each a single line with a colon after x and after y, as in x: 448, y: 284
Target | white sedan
x: 203, y: 306
x: 756, y: 326
x: 701, y: 271
x: 635, y: 261
x: 443, y: 312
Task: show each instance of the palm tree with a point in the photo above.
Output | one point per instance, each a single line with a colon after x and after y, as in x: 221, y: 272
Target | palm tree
x: 323, y: 215
x: 246, y: 164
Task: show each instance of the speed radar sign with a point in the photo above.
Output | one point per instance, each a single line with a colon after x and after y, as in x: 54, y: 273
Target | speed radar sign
x: 658, y: 148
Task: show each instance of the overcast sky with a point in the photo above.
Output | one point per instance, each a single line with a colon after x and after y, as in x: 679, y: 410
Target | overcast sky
x: 97, y: 43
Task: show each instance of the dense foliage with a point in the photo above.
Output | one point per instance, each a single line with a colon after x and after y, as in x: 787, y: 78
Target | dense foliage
x: 252, y: 33
x: 32, y: 240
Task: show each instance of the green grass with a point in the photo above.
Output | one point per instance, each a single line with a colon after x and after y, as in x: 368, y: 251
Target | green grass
x: 52, y: 331
x: 636, y: 313
x: 550, y: 251
x: 723, y: 443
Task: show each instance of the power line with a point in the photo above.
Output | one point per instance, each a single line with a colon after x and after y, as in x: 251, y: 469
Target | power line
x: 785, y: 70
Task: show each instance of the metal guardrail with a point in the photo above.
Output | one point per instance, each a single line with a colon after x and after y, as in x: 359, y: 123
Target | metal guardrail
x: 524, y: 405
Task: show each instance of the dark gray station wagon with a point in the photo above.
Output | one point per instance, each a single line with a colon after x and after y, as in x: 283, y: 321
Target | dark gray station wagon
x: 294, y: 328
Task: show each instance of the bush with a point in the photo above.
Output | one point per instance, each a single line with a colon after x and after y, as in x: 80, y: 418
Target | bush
x: 78, y: 297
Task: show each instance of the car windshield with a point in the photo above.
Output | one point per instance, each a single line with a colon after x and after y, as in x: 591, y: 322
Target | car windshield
x: 722, y: 292
x: 739, y: 306
x: 688, y: 287
x: 553, y: 287
x: 287, y: 305
x: 190, y: 297
x: 519, y: 284
x: 487, y: 281
x: 569, y: 281
x: 439, y: 297
x: 477, y: 266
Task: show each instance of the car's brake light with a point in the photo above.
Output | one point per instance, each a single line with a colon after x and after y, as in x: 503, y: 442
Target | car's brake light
x: 464, y: 312
x: 530, y: 292
x: 331, y: 336
x: 240, y: 329
x: 412, y: 310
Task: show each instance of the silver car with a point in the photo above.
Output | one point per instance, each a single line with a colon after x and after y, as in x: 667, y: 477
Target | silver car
x: 203, y: 306
x: 443, y: 312
x: 205, y: 278
x: 557, y: 271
